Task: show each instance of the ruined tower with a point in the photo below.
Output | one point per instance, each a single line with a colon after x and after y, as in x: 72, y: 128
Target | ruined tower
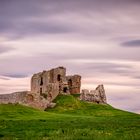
x: 53, y: 82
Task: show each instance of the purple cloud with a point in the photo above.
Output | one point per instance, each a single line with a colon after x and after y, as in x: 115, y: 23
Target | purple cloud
x: 4, y: 49
x: 131, y: 43
x: 27, y: 18
x: 12, y: 75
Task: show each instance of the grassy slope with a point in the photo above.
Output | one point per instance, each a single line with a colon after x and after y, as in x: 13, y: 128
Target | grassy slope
x: 70, y: 119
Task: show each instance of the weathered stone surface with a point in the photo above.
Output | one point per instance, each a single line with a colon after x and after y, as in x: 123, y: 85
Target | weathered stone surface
x: 39, y: 102
x: 74, y: 83
x: 97, y: 95
x: 55, y: 82
x: 17, y: 97
x: 24, y: 98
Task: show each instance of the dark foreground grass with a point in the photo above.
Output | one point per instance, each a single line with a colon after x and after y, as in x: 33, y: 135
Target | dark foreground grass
x: 71, y: 119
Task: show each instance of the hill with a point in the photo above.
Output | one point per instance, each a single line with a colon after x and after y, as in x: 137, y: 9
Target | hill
x: 71, y: 119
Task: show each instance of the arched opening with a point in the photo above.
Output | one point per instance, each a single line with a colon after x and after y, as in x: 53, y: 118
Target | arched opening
x: 58, y: 77
x: 65, y: 89
x: 41, y: 81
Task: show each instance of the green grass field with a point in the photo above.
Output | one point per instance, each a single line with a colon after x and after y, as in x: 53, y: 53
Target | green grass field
x: 71, y: 119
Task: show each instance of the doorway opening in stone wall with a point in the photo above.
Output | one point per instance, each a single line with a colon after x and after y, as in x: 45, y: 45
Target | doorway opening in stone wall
x: 65, y: 89
x: 58, y: 77
x: 40, y: 90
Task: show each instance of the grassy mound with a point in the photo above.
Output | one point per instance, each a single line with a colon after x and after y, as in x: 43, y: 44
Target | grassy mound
x: 71, y: 105
x: 71, y: 119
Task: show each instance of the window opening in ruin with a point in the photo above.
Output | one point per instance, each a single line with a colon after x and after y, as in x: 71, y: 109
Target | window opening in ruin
x: 40, y: 90
x: 58, y: 77
x: 41, y: 81
x: 70, y: 82
x: 65, y: 89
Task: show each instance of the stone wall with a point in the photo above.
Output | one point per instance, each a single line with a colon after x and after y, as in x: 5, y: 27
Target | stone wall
x: 26, y: 98
x: 97, y: 95
x: 17, y: 97
x: 74, y: 83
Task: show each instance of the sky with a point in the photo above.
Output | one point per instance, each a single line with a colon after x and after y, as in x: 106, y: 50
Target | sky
x: 98, y: 39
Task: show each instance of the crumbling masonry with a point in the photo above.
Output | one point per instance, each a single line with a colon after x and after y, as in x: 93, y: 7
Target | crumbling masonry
x: 53, y: 82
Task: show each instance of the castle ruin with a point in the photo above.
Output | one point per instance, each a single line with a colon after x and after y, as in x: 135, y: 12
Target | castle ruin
x: 47, y: 85
x: 53, y: 82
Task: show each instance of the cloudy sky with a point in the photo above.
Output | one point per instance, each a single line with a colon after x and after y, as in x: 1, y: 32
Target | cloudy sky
x: 98, y: 39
